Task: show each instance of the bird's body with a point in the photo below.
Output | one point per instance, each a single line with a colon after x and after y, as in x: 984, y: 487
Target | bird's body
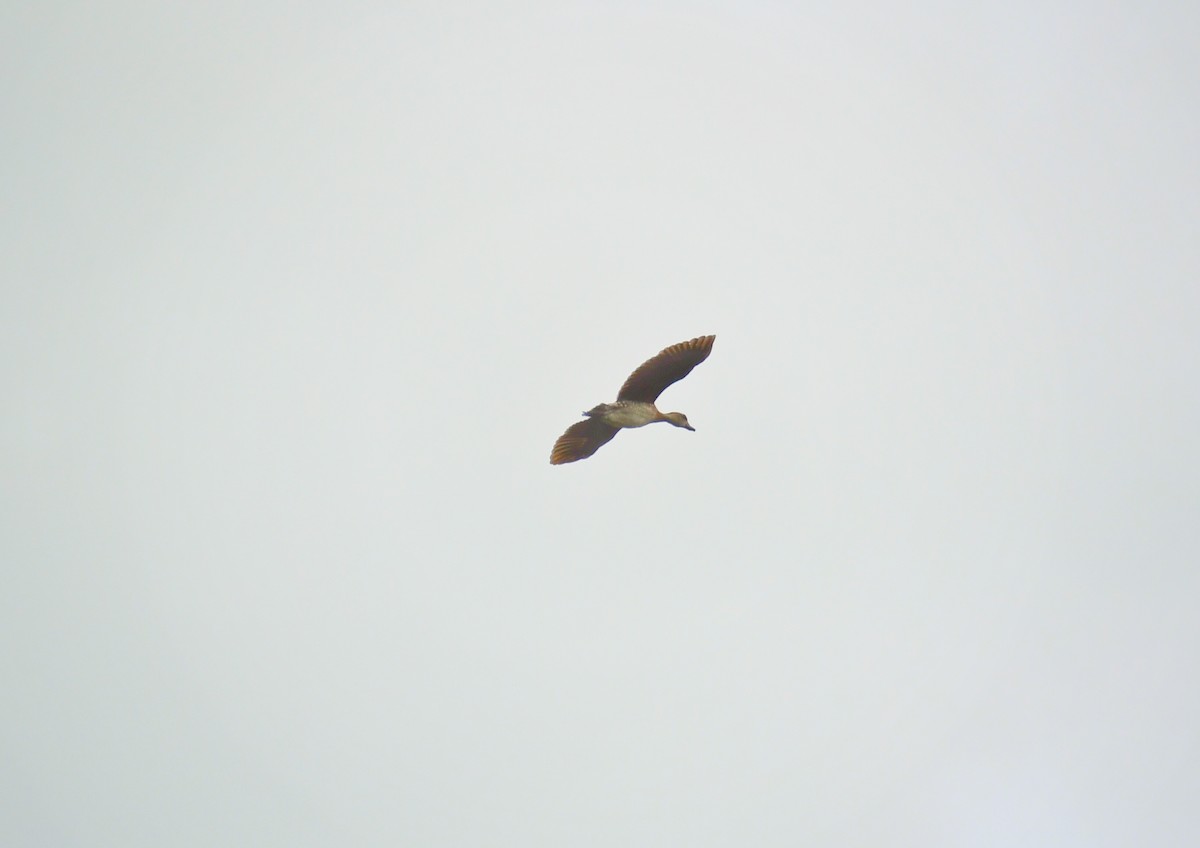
x: 625, y: 413
x: 634, y: 406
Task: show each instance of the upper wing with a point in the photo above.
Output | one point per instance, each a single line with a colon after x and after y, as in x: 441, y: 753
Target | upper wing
x: 669, y: 366
x: 581, y: 440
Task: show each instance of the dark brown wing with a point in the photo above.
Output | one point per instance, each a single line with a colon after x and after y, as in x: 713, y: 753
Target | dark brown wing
x: 669, y: 366
x: 581, y: 440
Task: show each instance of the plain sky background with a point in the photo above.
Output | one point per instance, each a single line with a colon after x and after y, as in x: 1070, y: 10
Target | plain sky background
x: 297, y: 297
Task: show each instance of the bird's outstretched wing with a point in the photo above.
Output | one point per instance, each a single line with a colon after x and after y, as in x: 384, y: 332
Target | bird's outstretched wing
x: 669, y: 366
x: 581, y: 440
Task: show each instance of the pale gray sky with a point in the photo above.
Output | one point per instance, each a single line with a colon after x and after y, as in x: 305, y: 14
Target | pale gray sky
x: 297, y: 298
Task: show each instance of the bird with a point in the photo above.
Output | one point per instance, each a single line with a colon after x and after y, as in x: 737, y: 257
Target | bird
x: 634, y: 406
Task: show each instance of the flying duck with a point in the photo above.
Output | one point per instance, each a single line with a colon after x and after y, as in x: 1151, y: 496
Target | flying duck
x: 634, y: 406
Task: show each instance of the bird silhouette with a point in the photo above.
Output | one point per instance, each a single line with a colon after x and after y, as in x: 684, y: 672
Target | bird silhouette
x: 634, y: 406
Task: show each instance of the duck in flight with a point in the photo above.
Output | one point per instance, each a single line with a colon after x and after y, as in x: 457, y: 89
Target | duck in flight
x: 634, y: 406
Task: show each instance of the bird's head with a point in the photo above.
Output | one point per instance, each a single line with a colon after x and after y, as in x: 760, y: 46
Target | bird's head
x: 679, y: 420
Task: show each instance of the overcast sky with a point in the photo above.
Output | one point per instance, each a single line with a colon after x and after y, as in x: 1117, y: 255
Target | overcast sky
x: 297, y: 297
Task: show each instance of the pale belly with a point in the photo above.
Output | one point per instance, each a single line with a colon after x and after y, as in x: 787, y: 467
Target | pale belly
x: 633, y: 415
